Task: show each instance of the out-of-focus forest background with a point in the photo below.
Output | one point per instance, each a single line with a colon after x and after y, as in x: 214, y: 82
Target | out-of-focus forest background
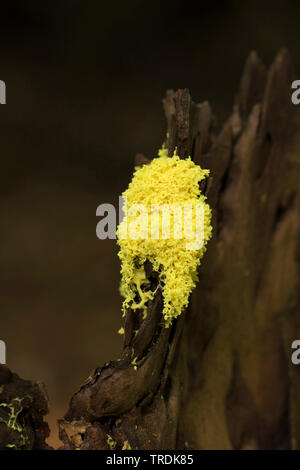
x: 85, y: 80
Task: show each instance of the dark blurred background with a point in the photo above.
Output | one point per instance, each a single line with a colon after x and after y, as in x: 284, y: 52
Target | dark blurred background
x: 85, y: 80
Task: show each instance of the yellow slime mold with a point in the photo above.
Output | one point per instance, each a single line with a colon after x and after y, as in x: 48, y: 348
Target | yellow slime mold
x: 173, y: 182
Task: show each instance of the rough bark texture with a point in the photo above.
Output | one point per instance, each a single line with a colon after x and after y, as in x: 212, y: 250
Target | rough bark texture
x: 221, y: 377
x: 242, y: 389
x: 23, y: 404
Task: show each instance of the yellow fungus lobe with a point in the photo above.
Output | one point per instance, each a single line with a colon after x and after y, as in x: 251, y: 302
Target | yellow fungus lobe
x: 121, y: 331
x: 126, y: 446
x: 111, y: 443
x: 167, y: 221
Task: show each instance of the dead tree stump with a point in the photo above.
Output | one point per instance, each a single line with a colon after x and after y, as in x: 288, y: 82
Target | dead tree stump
x: 221, y: 377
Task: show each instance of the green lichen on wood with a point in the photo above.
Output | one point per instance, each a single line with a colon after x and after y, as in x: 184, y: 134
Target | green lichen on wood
x: 14, y: 422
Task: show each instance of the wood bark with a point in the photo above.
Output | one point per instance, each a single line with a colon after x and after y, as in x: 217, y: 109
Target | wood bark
x: 23, y: 404
x: 221, y: 377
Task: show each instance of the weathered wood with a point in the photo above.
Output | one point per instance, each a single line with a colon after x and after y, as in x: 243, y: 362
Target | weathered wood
x: 242, y: 385
x: 23, y: 404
